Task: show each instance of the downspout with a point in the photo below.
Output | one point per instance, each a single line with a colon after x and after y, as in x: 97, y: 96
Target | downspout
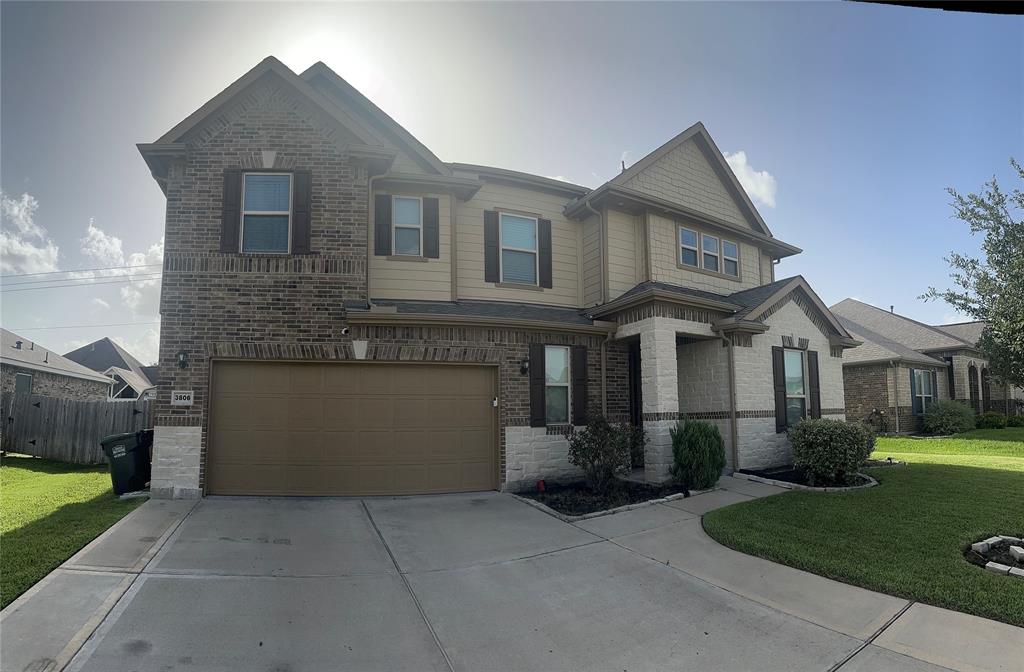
x: 896, y: 391
x: 734, y: 424
x: 369, y: 229
x: 600, y: 230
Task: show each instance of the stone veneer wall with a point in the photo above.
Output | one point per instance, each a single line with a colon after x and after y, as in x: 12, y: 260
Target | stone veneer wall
x: 48, y: 384
x: 703, y: 369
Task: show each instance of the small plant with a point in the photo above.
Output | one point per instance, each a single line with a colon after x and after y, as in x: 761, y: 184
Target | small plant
x: 637, y: 444
x: 1015, y: 421
x: 991, y: 420
x: 601, y: 450
x: 830, y: 451
x: 698, y: 454
x: 948, y: 417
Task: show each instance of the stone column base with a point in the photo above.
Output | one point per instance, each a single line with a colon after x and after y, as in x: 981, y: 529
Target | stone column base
x: 658, y: 452
x: 176, y: 452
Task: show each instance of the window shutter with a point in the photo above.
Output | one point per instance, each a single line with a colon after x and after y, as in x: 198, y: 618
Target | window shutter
x: 382, y: 225
x: 544, y: 251
x: 231, y: 210
x: 302, y: 205
x: 951, y: 377
x: 537, y: 407
x: 815, y: 387
x: 431, y: 229
x: 915, y: 401
x: 935, y: 389
x: 491, y: 273
x: 579, y: 385
x: 779, y: 378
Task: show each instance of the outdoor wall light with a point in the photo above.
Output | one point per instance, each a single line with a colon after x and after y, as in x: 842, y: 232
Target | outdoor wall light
x: 524, y: 366
x: 182, y: 360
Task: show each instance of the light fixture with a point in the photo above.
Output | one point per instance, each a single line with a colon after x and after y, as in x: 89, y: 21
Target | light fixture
x: 524, y: 366
x: 182, y: 360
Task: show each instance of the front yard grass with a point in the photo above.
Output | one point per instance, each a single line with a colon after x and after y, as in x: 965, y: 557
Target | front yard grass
x: 905, y: 537
x: 48, y: 511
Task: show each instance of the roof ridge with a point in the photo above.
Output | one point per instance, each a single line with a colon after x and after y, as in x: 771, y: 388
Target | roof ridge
x: 893, y: 313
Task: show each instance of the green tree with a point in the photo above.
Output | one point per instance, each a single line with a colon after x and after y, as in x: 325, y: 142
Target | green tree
x: 992, y: 289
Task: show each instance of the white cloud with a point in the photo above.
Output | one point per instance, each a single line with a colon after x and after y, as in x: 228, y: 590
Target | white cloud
x: 100, y: 303
x: 103, y: 249
x: 146, y: 347
x: 759, y: 184
x: 25, y: 246
x: 142, y: 294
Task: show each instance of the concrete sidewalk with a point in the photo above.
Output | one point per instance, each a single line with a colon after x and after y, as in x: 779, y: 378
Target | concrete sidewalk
x: 463, y: 582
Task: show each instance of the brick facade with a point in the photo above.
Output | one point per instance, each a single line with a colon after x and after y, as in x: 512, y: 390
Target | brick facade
x: 52, y: 385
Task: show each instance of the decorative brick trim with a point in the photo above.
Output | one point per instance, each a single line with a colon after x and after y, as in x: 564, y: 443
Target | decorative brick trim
x: 660, y: 417
x: 178, y: 421
x: 705, y: 415
x: 836, y: 351
x: 755, y: 414
x: 742, y: 340
x: 308, y: 266
x: 556, y: 430
x: 833, y: 411
x: 272, y: 351
x: 663, y: 309
x: 798, y: 297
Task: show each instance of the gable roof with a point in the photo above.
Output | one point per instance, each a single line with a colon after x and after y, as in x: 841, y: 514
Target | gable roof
x: 895, y: 327
x: 104, y: 355
x: 132, y: 379
x: 37, y: 358
x: 878, y: 348
x: 707, y: 145
x: 376, y: 116
x: 965, y: 331
x: 757, y: 300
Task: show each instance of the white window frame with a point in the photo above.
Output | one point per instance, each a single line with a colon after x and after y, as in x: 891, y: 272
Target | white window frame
x: 395, y: 227
x: 717, y: 255
x: 502, y: 247
x: 919, y: 376
x: 803, y: 372
x: 683, y: 246
x: 567, y: 384
x: 244, y: 212
x: 721, y: 262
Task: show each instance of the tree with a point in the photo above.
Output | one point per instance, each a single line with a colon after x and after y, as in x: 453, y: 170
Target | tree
x: 992, y: 289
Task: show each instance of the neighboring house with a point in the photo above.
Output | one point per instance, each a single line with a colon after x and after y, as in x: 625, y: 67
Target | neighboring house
x: 132, y: 380
x: 1004, y: 397
x: 29, y: 368
x: 344, y: 313
x: 904, y: 366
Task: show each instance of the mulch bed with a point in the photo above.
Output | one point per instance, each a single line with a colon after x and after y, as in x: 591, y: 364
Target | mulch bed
x: 576, y: 499
x: 799, y: 477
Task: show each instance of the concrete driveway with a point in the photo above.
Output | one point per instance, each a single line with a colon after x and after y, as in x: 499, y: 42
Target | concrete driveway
x: 461, y: 582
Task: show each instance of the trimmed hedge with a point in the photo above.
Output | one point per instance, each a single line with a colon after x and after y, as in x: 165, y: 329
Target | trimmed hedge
x: 830, y: 451
x: 1015, y: 421
x: 698, y: 454
x: 948, y: 417
x: 991, y: 420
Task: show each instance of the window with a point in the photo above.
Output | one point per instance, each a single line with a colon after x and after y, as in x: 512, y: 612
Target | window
x: 796, y: 390
x: 518, y: 249
x: 923, y: 390
x: 266, y: 212
x: 556, y: 384
x: 23, y: 383
x: 730, y: 258
x: 688, y: 252
x: 407, y: 223
x: 710, y: 246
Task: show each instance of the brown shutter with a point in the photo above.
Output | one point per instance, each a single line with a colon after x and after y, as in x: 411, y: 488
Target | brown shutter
x: 231, y: 210
x: 491, y: 273
x: 815, y: 387
x: 579, y: 385
x: 537, y: 406
x: 544, y: 251
x: 302, y: 205
x: 779, y: 377
x: 382, y: 225
x: 431, y: 229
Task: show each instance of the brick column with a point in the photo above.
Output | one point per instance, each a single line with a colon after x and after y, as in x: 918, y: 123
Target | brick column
x: 659, y: 380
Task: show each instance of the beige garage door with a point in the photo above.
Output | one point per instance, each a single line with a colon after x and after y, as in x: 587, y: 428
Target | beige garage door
x: 350, y: 429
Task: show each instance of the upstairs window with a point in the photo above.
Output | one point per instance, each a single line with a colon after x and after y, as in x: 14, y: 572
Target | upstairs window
x: 710, y: 246
x: 407, y: 224
x: 796, y: 389
x: 266, y: 212
x: 518, y: 249
x: 556, y: 384
x: 688, y: 253
x: 730, y: 258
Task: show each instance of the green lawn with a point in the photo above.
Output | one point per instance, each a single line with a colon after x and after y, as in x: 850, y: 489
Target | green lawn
x: 905, y: 537
x: 48, y: 511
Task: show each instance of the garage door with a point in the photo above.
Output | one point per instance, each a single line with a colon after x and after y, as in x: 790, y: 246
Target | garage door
x: 350, y: 429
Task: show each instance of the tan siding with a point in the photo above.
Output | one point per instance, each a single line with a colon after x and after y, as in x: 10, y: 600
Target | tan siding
x: 424, y: 280
x: 622, y: 253
x: 684, y: 176
x: 591, y: 262
x: 665, y: 268
x: 565, y: 245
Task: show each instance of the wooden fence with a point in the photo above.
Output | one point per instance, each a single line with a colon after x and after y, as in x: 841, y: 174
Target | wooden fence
x: 68, y: 430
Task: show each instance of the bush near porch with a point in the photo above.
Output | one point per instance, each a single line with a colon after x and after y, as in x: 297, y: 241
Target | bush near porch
x: 907, y: 536
x: 48, y: 511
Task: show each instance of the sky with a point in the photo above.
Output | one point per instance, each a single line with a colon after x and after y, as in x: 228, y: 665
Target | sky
x: 845, y: 122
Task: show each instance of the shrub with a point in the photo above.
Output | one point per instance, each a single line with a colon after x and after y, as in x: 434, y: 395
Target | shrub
x: 830, y: 451
x: 698, y: 454
x: 601, y: 450
x: 948, y: 417
x: 637, y: 444
x: 1015, y: 421
x: 991, y: 420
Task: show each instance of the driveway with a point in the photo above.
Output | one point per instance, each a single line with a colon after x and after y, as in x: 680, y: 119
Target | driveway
x: 461, y: 582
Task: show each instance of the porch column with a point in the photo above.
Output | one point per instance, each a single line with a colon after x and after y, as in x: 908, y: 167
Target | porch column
x: 659, y: 380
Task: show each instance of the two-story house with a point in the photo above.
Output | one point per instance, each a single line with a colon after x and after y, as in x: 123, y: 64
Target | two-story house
x: 345, y: 313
